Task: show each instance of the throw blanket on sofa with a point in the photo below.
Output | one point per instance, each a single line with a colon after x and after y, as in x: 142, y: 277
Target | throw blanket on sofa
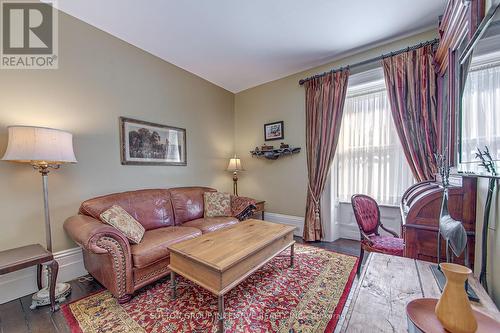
x: 242, y: 207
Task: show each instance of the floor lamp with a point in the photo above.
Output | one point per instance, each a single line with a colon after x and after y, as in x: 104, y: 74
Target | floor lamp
x: 44, y: 149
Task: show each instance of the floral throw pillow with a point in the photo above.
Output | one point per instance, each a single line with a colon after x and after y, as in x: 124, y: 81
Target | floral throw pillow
x: 217, y: 204
x: 117, y: 217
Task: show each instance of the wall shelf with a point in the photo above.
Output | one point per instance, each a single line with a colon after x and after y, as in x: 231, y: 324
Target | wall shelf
x: 274, y: 154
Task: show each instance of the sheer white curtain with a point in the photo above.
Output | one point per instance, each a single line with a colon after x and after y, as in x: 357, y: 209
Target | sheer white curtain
x: 481, y: 116
x: 369, y: 158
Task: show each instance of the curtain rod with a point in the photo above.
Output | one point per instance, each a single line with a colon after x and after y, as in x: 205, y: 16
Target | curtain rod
x: 366, y: 62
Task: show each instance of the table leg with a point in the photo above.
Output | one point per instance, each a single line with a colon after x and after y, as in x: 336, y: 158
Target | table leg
x: 221, y: 314
x: 262, y: 215
x: 173, y: 285
x: 39, y: 270
x: 53, y: 270
x: 292, y: 254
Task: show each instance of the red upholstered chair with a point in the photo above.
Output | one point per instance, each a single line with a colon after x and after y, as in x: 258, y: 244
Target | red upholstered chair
x: 367, y: 215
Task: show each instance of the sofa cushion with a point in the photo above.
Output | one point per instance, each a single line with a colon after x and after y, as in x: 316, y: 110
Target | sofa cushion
x: 155, y: 243
x: 121, y: 220
x: 209, y: 224
x: 151, y: 208
x: 188, y: 203
x: 217, y: 204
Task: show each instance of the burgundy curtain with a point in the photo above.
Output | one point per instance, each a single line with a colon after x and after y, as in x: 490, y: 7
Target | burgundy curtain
x: 325, y: 97
x: 412, y: 89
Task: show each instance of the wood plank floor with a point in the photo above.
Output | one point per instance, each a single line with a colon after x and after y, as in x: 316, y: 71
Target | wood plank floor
x: 16, y: 316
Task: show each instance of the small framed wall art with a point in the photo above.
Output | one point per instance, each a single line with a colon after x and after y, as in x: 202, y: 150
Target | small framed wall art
x: 274, y: 131
x: 144, y: 143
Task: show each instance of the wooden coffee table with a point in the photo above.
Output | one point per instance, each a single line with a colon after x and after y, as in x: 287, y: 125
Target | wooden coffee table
x: 220, y: 260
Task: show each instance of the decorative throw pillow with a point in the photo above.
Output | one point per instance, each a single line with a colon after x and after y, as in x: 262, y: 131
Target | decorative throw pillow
x: 217, y: 204
x: 117, y: 217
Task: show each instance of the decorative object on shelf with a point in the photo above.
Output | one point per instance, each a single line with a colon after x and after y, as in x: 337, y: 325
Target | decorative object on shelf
x: 274, y: 131
x: 44, y: 149
x: 270, y: 153
x: 489, y: 165
x: 234, y: 166
x: 145, y: 143
x: 451, y: 230
x: 453, y: 309
x: 265, y: 147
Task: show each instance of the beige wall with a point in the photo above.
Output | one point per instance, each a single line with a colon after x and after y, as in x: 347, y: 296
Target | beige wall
x: 99, y: 79
x: 282, y: 183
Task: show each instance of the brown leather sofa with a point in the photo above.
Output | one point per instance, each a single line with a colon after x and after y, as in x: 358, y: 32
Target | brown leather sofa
x: 168, y: 215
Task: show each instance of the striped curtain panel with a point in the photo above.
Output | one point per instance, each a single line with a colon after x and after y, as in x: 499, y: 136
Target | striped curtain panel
x: 325, y: 97
x: 411, y: 84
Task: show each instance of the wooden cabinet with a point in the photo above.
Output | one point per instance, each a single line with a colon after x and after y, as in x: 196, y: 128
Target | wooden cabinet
x: 420, y: 208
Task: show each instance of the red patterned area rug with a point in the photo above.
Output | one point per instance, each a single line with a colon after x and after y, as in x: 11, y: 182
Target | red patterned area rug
x: 308, y: 298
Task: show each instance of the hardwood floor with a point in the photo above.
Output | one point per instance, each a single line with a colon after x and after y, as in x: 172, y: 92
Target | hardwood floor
x: 16, y: 316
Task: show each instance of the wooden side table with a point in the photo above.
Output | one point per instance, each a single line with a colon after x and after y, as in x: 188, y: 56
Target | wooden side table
x: 260, y: 208
x: 31, y: 255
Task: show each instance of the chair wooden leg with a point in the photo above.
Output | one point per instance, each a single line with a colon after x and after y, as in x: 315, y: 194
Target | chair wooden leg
x: 439, y: 248
x: 360, y: 262
x: 53, y: 271
x: 466, y: 258
x: 39, y: 271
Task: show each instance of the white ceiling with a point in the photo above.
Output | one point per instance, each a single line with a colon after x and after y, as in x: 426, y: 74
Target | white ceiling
x: 238, y: 44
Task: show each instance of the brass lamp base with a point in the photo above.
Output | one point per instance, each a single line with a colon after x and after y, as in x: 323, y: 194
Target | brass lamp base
x: 235, y: 183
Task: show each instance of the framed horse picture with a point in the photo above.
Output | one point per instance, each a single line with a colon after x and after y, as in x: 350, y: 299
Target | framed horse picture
x: 274, y: 131
x: 145, y: 143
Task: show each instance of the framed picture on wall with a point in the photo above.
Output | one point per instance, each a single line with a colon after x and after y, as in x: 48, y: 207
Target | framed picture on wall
x: 144, y: 143
x: 274, y: 131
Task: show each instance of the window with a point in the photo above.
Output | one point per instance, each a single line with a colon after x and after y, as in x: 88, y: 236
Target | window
x: 480, y: 119
x: 369, y: 157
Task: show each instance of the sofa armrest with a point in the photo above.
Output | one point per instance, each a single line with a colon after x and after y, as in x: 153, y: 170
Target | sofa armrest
x: 242, y: 207
x: 102, y: 239
x: 87, y: 231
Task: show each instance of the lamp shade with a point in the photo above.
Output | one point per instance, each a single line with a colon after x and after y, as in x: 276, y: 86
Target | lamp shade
x: 38, y: 145
x: 234, y: 165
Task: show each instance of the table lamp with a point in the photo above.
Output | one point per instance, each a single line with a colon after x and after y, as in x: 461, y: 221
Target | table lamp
x: 235, y: 167
x: 44, y: 149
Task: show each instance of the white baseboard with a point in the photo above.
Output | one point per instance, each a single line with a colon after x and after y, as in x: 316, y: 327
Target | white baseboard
x: 21, y: 283
x: 348, y: 231
x: 296, y: 221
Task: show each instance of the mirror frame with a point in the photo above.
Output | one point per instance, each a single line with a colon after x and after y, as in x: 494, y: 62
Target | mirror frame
x: 456, y: 27
x: 464, y: 56
x: 481, y: 29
